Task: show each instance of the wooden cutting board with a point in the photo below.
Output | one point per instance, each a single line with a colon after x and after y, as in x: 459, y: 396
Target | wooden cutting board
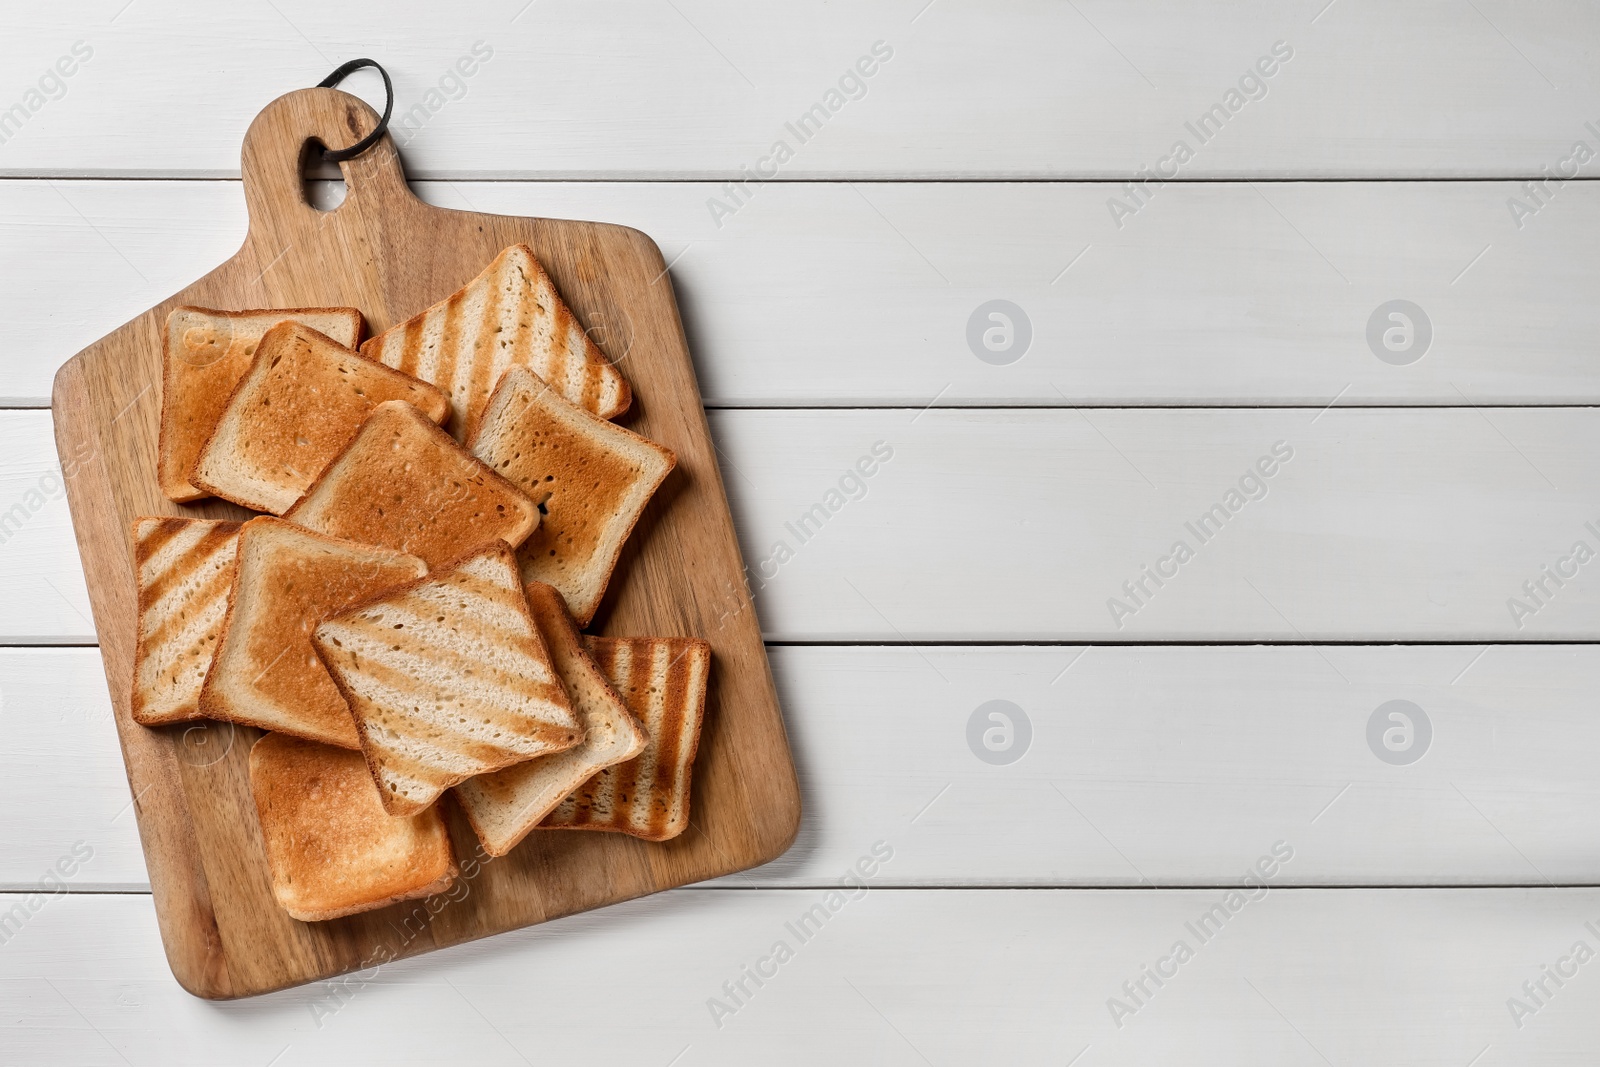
x: 386, y: 252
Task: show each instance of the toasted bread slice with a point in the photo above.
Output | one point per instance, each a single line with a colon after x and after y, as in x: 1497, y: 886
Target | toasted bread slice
x: 663, y: 680
x: 403, y: 483
x: 298, y: 405
x: 184, y: 569
x: 204, y: 354
x: 331, y: 848
x: 509, y: 315
x: 447, y: 677
x: 590, y: 477
x: 287, y: 580
x: 505, y: 805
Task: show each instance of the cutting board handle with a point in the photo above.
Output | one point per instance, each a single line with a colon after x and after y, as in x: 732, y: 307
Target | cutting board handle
x: 275, y: 147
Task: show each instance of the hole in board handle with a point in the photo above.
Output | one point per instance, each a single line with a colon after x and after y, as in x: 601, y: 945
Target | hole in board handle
x: 321, y: 182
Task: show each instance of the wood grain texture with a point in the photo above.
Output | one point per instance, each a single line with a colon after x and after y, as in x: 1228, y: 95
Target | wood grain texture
x: 1146, y: 765
x: 389, y: 254
x: 697, y: 88
x: 825, y: 294
x: 902, y: 978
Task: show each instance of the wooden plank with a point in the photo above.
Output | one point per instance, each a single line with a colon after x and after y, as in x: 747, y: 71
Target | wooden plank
x: 1213, y: 294
x: 895, y: 977
x: 1371, y: 524
x: 389, y: 254
x: 700, y: 88
x: 1141, y: 765
x: 1387, y: 525
x: 43, y: 583
x: 55, y: 725
x: 1163, y: 765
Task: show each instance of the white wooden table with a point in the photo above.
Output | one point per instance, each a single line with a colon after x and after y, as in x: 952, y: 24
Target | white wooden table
x: 1201, y: 361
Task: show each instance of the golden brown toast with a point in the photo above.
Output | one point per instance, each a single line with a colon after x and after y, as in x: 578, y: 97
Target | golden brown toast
x: 204, y: 354
x: 287, y: 580
x: 297, y: 406
x: 663, y: 680
x: 331, y: 848
x: 509, y: 315
x: 591, y: 478
x: 405, y: 484
x: 447, y: 677
x: 505, y: 805
x: 184, y: 569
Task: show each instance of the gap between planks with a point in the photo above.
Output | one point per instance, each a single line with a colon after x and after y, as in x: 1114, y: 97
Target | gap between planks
x: 1066, y: 643
x: 16, y: 889
x: 1405, y: 404
x: 646, y: 178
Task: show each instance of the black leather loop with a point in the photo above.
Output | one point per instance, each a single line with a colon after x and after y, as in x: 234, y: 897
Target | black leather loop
x: 345, y: 69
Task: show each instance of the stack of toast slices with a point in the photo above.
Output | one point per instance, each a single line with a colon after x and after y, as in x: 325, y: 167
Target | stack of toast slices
x: 439, y: 513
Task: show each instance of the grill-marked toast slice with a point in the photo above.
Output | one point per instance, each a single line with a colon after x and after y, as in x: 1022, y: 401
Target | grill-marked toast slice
x: 331, y: 848
x: 184, y: 569
x: 591, y: 478
x: 447, y: 677
x: 204, y: 354
x: 286, y: 581
x: 508, y: 315
x: 505, y: 805
x: 663, y: 680
x: 300, y: 402
x: 405, y: 484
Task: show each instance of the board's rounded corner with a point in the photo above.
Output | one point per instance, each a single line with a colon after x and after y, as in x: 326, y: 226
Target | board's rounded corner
x: 787, y: 833
x: 66, y: 376
x: 645, y: 244
x: 198, y: 980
